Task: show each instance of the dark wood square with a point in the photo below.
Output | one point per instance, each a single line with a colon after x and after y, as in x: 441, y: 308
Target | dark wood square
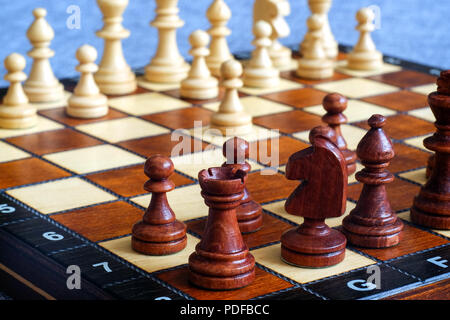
x: 102, y: 221
x: 265, y: 188
x: 403, y: 126
x: 271, y: 230
x: 161, y: 144
x: 129, y: 182
x: 181, y: 118
x: 405, y: 78
x: 407, y: 158
x: 27, y: 171
x: 289, y: 122
x: 59, y: 114
x: 290, y: 75
x: 298, y: 98
x: 286, y: 147
x: 413, y: 240
x: 400, y: 193
x: 264, y: 283
x: 400, y: 100
x: 54, y: 141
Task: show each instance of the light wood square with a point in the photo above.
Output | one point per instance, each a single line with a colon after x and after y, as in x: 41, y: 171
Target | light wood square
x: 143, y: 83
x: 191, y: 164
x: 352, y: 178
x: 352, y: 135
x: 271, y: 258
x: 60, y: 195
x: 356, y: 87
x: 284, y: 85
x: 94, y: 158
x: 425, y: 89
x: 356, y: 110
x: 423, y: 113
x: 341, y: 66
x: 417, y: 176
x: 122, y: 248
x: 278, y: 208
x: 254, y: 106
x: 406, y: 216
x: 43, y: 124
x: 216, y: 138
x: 122, y: 129
x: 10, y: 153
x: 146, y: 103
x: 418, y: 142
x: 186, y: 202
x: 53, y: 104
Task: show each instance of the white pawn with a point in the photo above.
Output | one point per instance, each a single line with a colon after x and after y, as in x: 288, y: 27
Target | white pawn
x: 259, y: 72
x: 199, y: 83
x: 231, y: 119
x: 364, y: 55
x: 41, y: 85
x: 16, y: 112
x: 314, y: 63
x: 86, y: 100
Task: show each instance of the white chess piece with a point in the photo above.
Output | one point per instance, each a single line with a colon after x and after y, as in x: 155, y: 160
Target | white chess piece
x: 41, y: 85
x: 167, y: 66
x: 86, y: 100
x: 274, y: 12
x: 114, y: 76
x: 259, y: 72
x: 231, y: 119
x: 314, y: 64
x: 364, y: 55
x: 218, y: 15
x: 321, y: 8
x: 16, y: 112
x: 199, y: 84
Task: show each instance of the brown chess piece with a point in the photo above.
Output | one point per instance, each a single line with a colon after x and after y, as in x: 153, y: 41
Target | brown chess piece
x: 431, y: 207
x: 322, y: 194
x: 249, y: 213
x: 221, y: 259
x: 335, y: 104
x: 372, y: 223
x: 159, y: 233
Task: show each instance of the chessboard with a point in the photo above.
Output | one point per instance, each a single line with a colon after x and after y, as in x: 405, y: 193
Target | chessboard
x: 71, y: 190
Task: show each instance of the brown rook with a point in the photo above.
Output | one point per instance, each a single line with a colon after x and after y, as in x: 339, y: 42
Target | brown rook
x: 221, y: 260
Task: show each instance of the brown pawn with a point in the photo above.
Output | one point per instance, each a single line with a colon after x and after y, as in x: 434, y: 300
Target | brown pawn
x: 335, y: 104
x: 372, y: 223
x: 159, y: 233
x: 221, y: 259
x: 322, y: 194
x: 431, y: 207
x: 249, y: 213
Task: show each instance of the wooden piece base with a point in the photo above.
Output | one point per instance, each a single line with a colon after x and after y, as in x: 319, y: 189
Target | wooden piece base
x: 87, y: 107
x: 201, y: 89
x: 36, y: 93
x: 365, y: 60
x: 314, y: 69
x: 159, y: 239
x: 428, y: 220
x: 166, y: 74
x: 321, y: 247
x: 17, y: 117
x: 261, y: 78
x: 109, y: 83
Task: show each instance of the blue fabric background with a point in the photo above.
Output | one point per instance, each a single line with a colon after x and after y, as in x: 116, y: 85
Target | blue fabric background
x: 415, y: 30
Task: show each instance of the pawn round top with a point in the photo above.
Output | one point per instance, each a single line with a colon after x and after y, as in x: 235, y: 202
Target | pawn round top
x: 262, y: 29
x: 86, y: 54
x: 158, y: 167
x: 198, y: 39
x: 39, y: 13
x: 365, y: 15
x: 334, y: 103
x: 376, y: 121
x: 15, y: 62
x: 315, y: 22
x: 236, y: 149
x: 231, y: 69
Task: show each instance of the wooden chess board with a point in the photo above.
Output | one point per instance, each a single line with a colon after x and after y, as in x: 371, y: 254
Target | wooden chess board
x: 72, y: 189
